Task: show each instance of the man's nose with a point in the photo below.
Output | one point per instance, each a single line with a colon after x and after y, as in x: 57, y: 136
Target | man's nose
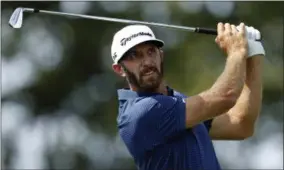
x: 148, y: 59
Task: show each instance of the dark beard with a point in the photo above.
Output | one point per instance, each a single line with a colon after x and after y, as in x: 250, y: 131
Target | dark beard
x: 142, y: 85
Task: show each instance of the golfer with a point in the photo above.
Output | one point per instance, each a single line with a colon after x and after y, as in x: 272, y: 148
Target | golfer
x: 166, y: 130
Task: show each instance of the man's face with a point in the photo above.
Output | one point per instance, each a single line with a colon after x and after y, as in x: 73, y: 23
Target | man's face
x: 143, y: 67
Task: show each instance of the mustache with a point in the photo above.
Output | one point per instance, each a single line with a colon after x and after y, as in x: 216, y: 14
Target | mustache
x: 145, y: 69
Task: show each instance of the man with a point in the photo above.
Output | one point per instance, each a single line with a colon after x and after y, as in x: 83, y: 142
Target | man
x: 166, y: 130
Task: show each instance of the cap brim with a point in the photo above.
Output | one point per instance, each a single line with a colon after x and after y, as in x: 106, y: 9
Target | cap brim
x: 156, y: 42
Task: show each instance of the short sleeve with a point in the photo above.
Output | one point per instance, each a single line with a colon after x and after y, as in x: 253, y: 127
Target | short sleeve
x: 166, y: 116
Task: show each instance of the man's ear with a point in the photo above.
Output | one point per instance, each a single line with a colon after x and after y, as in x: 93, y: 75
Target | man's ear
x: 118, y: 69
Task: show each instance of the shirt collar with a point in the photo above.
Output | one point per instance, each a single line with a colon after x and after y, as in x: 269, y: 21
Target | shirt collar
x: 126, y: 93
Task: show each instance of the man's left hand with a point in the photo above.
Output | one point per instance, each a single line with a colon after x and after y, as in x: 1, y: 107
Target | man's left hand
x: 255, y: 47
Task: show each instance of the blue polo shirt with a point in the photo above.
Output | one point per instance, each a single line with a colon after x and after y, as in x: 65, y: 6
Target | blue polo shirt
x: 152, y: 126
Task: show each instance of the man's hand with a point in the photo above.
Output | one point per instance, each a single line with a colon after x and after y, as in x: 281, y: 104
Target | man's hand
x: 231, y: 40
x: 255, y: 47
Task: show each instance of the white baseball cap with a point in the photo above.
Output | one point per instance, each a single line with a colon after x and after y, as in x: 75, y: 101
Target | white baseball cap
x: 130, y: 36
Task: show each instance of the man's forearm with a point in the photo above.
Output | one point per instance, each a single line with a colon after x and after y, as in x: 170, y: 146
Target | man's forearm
x: 249, y: 103
x: 222, y: 96
x: 231, y: 81
x: 224, y: 93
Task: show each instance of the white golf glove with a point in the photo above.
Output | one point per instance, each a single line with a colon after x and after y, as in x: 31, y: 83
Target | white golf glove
x: 254, y: 47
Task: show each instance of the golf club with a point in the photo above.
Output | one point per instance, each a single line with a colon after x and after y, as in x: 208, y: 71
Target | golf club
x: 16, y: 20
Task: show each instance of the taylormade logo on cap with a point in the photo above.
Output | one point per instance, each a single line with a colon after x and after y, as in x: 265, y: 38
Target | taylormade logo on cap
x: 124, y: 40
x: 130, y: 36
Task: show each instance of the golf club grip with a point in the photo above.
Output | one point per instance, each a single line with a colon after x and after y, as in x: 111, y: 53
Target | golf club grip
x: 206, y: 31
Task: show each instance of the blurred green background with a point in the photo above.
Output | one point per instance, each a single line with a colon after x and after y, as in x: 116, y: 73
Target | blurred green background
x: 59, y: 100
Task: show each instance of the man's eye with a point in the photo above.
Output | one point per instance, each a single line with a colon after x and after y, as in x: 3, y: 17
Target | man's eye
x: 152, y: 50
x: 131, y: 55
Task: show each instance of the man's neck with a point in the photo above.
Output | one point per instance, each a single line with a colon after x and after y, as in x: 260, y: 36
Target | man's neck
x: 163, y: 89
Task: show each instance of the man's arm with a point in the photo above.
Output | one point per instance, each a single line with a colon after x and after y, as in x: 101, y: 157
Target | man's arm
x: 223, y: 95
x: 238, y: 122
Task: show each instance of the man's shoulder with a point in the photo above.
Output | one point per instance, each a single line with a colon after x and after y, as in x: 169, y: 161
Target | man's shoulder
x: 145, y: 104
x: 141, y: 107
x: 135, y: 108
x: 141, y: 104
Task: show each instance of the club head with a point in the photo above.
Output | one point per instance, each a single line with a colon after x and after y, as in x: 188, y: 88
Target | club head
x: 16, y: 19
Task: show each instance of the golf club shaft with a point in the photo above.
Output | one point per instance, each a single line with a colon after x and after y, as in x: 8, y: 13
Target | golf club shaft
x: 191, y: 29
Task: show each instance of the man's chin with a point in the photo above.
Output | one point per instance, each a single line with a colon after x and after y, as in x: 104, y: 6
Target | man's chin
x: 150, y: 86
